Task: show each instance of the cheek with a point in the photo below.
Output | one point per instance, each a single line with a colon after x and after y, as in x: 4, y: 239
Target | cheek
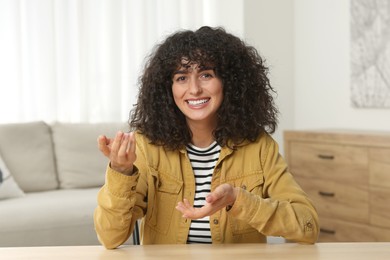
x: 177, y: 93
x: 218, y: 91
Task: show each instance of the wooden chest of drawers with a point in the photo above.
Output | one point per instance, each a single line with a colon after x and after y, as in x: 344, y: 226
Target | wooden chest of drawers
x: 347, y: 175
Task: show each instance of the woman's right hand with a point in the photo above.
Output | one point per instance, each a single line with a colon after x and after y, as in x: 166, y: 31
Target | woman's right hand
x: 120, y: 151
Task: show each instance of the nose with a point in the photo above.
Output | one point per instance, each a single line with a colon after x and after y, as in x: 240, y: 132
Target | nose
x: 194, y: 86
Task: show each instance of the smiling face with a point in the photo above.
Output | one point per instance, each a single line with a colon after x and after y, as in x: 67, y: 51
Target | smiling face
x: 198, y: 93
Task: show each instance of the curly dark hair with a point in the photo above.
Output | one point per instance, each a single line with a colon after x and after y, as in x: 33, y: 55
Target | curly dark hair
x: 247, y: 109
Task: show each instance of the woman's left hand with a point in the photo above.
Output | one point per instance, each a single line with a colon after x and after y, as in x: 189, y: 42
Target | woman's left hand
x: 223, y: 196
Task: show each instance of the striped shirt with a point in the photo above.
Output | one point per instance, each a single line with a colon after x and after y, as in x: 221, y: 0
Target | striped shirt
x: 203, y: 161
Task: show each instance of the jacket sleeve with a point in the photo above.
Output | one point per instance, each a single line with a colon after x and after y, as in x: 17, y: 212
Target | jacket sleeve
x: 121, y: 202
x: 283, y: 209
x: 113, y: 217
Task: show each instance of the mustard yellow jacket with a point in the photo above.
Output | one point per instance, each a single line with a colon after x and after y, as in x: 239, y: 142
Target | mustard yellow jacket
x: 270, y: 202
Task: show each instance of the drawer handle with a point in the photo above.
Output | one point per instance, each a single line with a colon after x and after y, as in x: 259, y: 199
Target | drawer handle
x: 327, y: 231
x: 326, y: 157
x: 326, y: 194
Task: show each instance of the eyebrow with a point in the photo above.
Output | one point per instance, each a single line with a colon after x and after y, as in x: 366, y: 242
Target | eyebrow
x: 184, y: 69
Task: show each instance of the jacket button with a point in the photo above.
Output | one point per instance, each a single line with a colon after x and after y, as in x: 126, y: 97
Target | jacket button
x: 243, y: 187
x: 133, y: 188
x: 215, y: 221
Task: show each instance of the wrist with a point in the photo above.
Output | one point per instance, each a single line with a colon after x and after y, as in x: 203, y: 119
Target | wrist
x: 123, y: 170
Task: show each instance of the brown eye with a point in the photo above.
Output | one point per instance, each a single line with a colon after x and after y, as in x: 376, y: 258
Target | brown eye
x: 180, y: 78
x: 206, y: 75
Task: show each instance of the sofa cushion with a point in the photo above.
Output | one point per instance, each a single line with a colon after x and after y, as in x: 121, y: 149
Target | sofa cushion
x: 50, y: 218
x: 80, y: 164
x: 27, y: 150
x: 8, y: 187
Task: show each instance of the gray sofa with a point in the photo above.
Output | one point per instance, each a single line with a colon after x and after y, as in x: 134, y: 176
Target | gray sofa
x: 50, y: 176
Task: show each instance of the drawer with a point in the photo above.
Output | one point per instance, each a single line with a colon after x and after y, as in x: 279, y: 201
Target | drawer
x: 337, y: 200
x: 332, y: 230
x: 380, y: 167
x: 348, y: 164
x: 380, y: 206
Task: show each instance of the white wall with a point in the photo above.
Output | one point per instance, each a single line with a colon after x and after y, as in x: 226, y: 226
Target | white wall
x: 322, y: 70
x: 307, y: 45
x: 269, y: 26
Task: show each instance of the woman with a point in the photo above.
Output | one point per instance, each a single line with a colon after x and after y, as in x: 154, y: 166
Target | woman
x: 200, y: 165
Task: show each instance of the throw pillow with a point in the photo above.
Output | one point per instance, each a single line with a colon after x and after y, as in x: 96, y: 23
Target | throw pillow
x: 8, y: 187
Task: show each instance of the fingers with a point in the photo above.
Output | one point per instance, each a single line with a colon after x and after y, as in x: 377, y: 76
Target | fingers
x: 131, y: 146
x: 181, y: 207
x: 120, y: 150
x: 123, y: 145
x: 221, y: 197
x: 103, y: 145
x: 190, y: 212
x: 184, y: 206
x: 116, y: 144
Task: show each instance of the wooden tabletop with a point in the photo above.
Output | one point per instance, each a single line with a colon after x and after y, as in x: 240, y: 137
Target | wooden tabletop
x: 332, y: 251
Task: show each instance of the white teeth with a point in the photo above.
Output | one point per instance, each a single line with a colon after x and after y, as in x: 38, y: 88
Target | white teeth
x: 197, y: 102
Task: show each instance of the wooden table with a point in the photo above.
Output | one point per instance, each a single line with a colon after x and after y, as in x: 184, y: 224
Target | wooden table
x: 332, y: 251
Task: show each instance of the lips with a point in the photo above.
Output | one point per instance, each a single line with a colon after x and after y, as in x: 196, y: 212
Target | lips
x: 197, y: 102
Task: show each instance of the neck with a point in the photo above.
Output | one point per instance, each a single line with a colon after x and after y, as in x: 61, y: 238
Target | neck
x: 202, y: 134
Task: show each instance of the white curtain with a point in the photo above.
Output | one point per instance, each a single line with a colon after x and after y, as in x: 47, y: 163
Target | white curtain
x: 79, y: 60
